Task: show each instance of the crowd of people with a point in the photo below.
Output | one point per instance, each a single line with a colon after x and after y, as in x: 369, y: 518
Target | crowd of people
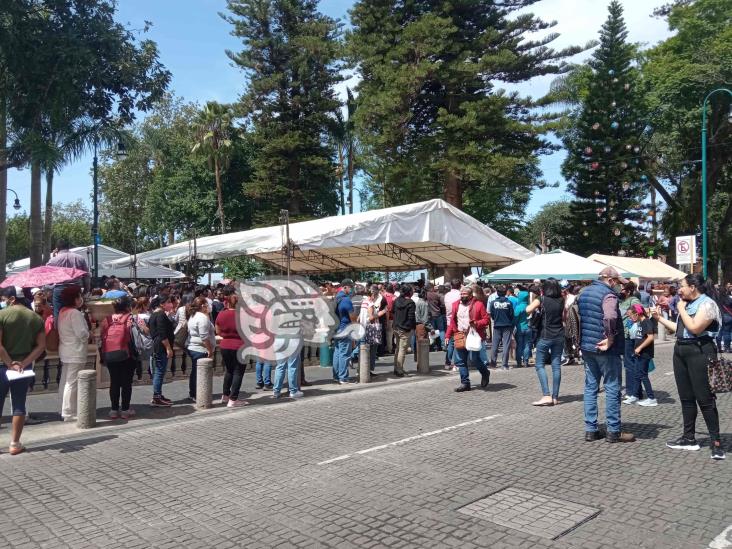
x: 608, y: 325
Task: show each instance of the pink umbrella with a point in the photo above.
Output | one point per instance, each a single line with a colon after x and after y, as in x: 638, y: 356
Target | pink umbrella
x: 43, y: 276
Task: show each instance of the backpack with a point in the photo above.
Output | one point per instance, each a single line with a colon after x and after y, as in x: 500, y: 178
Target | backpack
x: 143, y: 343
x: 52, y: 338
x: 117, y: 344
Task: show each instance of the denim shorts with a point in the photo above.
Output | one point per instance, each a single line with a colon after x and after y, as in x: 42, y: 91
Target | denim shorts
x: 18, y: 391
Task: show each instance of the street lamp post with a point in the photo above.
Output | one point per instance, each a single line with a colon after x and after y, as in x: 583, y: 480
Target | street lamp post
x: 16, y: 204
x: 704, y: 173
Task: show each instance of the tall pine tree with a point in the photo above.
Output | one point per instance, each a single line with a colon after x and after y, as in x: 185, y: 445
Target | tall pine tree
x: 605, y: 163
x: 290, y: 55
x: 432, y: 120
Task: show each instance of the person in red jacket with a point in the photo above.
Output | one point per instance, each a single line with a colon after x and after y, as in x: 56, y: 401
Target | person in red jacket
x: 468, y: 314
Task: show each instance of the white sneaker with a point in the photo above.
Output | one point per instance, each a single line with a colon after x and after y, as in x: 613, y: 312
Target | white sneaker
x: 113, y: 414
x: 648, y: 402
x: 237, y: 403
x: 630, y: 400
x: 224, y: 400
x: 297, y: 394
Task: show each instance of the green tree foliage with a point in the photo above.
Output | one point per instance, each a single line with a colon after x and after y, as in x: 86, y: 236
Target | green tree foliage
x: 242, y: 268
x: 554, y: 220
x: 290, y: 56
x: 679, y: 73
x: 69, y: 69
x: 161, y: 190
x: 213, y: 142
x: 71, y: 222
x: 430, y: 118
x: 605, y: 163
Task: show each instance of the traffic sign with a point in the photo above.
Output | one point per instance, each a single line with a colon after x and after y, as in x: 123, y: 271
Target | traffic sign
x: 685, y: 250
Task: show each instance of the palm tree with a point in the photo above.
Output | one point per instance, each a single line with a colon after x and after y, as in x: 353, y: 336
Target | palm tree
x: 343, y: 138
x: 213, y: 140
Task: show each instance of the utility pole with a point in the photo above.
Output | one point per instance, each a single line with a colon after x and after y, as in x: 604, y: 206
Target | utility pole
x: 287, y: 246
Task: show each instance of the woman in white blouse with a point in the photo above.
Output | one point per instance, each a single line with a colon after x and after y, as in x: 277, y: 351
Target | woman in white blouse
x: 73, y: 332
x: 201, y: 339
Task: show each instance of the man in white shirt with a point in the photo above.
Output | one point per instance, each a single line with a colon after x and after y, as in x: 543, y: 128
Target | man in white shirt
x: 450, y: 298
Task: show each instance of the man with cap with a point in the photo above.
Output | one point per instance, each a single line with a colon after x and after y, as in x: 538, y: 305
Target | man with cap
x: 602, y: 342
x: 346, y: 316
x: 22, y: 341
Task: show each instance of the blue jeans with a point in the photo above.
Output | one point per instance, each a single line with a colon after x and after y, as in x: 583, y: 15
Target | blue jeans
x: 341, y: 354
x: 725, y: 333
x: 551, y: 349
x: 449, y: 352
x: 463, y: 358
x: 641, y: 375
x: 484, y: 353
x: 523, y: 346
x: 292, y: 375
x: 18, y: 392
x: 501, y: 334
x: 606, y: 367
x: 161, y: 366
x: 629, y: 367
x: 264, y: 373
x: 192, y: 380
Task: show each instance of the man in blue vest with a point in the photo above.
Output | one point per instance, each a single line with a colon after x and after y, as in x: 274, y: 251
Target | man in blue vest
x: 602, y: 342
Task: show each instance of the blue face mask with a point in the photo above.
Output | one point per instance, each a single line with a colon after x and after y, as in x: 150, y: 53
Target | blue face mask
x: 3, y: 304
x: 352, y: 292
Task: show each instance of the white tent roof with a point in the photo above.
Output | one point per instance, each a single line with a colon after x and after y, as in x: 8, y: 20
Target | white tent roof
x: 422, y: 235
x: 645, y: 268
x: 557, y: 263
x: 106, y: 255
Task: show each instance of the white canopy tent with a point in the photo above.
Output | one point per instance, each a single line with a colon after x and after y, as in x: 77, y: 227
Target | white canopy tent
x: 423, y: 235
x: 557, y: 264
x: 106, y: 255
x: 644, y: 268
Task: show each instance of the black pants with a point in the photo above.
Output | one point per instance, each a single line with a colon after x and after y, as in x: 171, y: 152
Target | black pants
x: 234, y: 373
x: 692, y: 382
x: 120, y: 383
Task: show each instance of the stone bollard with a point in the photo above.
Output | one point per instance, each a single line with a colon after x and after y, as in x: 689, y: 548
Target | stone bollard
x: 204, y: 383
x: 423, y: 356
x: 364, y: 363
x: 86, y: 400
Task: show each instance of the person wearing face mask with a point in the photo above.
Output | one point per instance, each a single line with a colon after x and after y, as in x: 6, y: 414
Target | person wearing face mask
x: 602, y: 342
x: 696, y: 328
x: 627, y: 301
x: 467, y: 314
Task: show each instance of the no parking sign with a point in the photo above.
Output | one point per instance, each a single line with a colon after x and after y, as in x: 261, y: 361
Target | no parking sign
x: 685, y: 250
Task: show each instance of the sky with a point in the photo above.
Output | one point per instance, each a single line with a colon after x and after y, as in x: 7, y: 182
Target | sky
x: 192, y: 39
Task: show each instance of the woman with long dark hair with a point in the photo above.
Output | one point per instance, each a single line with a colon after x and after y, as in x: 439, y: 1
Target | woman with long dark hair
x: 696, y: 328
x: 230, y: 344
x: 550, y: 345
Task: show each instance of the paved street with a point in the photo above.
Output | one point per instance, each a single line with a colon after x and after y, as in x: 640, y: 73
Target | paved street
x: 395, y: 464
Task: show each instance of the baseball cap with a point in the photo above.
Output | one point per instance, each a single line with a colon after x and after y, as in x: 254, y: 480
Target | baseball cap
x: 347, y: 282
x: 34, y: 291
x: 612, y: 272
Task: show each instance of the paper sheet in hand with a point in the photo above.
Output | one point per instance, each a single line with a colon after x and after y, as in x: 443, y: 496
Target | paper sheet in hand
x: 14, y: 375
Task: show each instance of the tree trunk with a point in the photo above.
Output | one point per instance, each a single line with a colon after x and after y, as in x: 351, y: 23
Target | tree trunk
x: 48, y: 222
x: 293, y: 204
x: 3, y: 187
x: 351, y: 170
x: 219, y: 194
x: 453, y: 190
x: 341, y: 170
x: 171, y: 237
x: 36, y: 223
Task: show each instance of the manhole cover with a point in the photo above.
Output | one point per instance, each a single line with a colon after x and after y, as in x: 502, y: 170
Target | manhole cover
x: 530, y: 512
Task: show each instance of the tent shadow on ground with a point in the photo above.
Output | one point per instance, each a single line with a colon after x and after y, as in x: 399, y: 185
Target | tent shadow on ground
x: 69, y: 446
x: 146, y: 412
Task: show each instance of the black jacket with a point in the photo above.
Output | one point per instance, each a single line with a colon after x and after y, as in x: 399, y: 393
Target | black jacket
x: 404, y: 314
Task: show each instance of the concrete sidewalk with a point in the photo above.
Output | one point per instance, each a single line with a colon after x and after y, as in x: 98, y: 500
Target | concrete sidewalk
x: 45, y: 421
